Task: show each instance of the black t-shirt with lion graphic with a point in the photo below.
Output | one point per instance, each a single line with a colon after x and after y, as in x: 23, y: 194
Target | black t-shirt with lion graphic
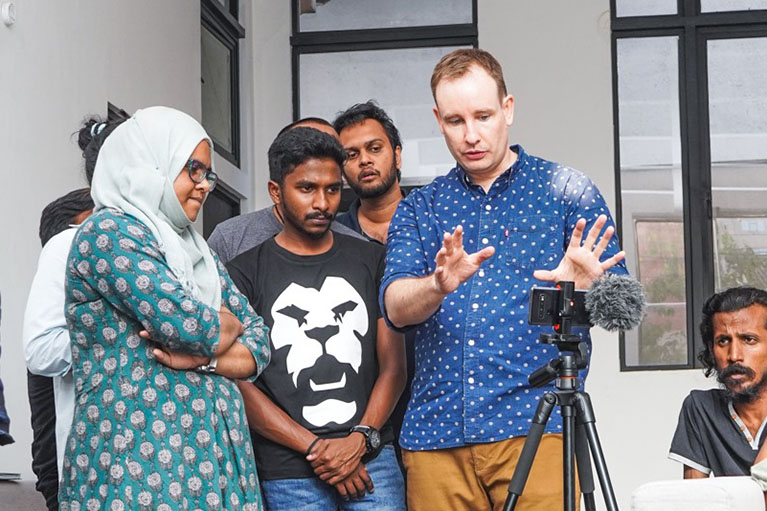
x: 322, y: 313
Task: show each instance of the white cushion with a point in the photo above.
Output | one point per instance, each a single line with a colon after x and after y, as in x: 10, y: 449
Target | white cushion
x: 712, y: 494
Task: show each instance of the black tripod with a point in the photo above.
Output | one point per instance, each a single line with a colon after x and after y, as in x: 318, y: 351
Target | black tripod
x: 578, y: 422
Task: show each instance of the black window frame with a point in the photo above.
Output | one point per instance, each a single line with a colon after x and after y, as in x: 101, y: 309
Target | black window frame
x: 332, y: 41
x: 225, y: 27
x: 694, y: 30
x: 335, y: 41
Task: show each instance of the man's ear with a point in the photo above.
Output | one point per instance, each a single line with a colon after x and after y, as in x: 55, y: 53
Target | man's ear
x: 274, y: 191
x: 439, y: 119
x: 508, y: 109
x: 398, y: 157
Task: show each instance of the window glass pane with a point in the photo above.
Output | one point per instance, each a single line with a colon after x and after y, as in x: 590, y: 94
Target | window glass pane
x: 315, y: 15
x: 332, y: 82
x: 737, y: 71
x: 731, y: 5
x: 651, y: 195
x: 644, y: 7
x: 217, y: 89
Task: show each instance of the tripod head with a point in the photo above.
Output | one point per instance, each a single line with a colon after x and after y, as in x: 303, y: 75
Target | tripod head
x: 573, y: 352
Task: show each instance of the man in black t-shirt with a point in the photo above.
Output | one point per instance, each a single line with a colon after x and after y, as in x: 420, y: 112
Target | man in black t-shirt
x: 720, y: 430
x: 320, y: 411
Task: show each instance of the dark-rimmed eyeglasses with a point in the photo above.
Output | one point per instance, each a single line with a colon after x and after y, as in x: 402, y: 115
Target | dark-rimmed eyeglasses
x: 198, y: 172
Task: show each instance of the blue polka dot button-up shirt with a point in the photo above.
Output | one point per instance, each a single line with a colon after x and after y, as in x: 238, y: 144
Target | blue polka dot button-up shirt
x: 473, y: 356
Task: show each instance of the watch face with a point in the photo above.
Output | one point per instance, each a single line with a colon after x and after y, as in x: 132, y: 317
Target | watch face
x: 375, y: 439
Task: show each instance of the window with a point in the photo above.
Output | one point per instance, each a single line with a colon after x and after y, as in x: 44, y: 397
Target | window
x: 222, y: 204
x: 349, y: 51
x: 690, y: 87
x: 220, y: 33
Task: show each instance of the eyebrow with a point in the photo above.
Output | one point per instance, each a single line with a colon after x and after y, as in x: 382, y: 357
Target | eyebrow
x: 364, y: 143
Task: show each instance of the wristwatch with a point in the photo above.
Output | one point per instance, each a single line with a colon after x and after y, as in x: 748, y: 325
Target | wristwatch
x: 372, y: 437
x: 210, y: 367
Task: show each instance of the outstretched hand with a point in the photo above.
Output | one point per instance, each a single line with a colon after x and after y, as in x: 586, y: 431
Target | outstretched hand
x: 454, y: 265
x: 580, y: 263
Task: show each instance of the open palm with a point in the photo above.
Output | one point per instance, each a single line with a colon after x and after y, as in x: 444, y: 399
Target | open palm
x: 581, y: 263
x: 454, y: 265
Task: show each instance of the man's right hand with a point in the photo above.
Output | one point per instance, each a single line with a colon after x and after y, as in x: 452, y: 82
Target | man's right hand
x: 355, y: 486
x: 454, y: 265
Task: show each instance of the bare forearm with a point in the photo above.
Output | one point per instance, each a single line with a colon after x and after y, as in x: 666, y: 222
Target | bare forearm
x: 386, y: 392
x: 236, y: 362
x: 270, y: 421
x: 230, y: 330
x: 691, y: 473
x: 392, y: 375
x: 410, y: 301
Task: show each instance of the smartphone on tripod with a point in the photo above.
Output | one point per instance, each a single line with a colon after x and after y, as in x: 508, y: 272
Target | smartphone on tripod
x: 544, y: 307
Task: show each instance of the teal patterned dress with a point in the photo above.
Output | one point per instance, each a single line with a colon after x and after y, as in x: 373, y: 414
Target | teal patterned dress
x: 144, y: 436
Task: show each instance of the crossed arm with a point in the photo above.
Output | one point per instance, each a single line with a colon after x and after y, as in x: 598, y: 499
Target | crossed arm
x: 337, y: 461
x: 410, y: 301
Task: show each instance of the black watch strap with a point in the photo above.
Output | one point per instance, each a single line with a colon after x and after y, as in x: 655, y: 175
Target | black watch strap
x: 372, y: 437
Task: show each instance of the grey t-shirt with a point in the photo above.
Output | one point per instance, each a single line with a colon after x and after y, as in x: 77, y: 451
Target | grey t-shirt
x: 710, y: 437
x: 236, y: 235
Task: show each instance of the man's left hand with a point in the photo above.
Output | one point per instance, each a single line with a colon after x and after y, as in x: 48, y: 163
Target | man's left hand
x: 580, y: 263
x: 334, y: 459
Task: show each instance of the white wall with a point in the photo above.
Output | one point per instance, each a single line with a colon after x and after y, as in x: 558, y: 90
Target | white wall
x: 556, y: 60
x: 269, y: 42
x: 61, y: 61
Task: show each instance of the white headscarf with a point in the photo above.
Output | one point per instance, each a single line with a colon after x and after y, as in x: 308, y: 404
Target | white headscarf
x: 135, y: 171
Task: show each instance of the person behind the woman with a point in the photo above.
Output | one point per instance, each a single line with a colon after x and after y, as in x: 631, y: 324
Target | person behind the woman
x: 144, y: 290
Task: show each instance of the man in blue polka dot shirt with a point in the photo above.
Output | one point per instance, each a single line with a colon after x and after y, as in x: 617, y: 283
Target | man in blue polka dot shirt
x: 462, y: 255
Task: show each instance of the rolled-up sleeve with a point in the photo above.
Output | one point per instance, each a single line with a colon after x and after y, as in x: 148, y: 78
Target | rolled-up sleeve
x: 409, y: 248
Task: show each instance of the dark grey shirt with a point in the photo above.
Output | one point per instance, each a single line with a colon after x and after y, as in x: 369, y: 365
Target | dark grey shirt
x: 236, y: 235
x: 710, y: 437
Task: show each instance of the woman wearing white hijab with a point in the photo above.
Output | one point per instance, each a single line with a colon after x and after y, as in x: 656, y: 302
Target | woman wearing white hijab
x: 158, y: 332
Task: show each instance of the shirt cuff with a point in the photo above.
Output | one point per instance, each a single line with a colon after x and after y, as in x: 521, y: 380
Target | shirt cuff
x: 686, y: 461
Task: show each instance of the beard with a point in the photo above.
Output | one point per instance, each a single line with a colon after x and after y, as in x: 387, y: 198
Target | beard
x: 294, y: 220
x: 747, y: 394
x: 376, y: 190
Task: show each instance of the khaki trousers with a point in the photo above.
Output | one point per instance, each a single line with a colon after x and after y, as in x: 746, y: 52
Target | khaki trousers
x: 476, y: 477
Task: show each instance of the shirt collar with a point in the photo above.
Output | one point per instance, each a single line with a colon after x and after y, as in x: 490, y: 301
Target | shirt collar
x: 502, y: 180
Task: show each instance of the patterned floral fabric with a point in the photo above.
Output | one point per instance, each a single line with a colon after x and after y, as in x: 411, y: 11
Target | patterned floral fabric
x: 145, y: 436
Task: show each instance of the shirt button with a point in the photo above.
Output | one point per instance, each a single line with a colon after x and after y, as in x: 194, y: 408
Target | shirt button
x: 475, y: 306
x: 471, y: 342
x: 471, y: 380
x: 485, y: 241
x: 481, y: 273
x: 488, y: 207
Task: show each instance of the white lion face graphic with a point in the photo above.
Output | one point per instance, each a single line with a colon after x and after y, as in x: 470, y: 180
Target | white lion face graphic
x: 328, y: 323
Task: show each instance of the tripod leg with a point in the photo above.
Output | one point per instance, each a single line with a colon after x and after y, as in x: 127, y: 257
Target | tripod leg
x: 568, y: 455
x: 526, y: 458
x: 585, y: 475
x: 586, y: 412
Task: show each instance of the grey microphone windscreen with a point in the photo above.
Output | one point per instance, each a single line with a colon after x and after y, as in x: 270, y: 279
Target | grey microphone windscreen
x: 615, y: 302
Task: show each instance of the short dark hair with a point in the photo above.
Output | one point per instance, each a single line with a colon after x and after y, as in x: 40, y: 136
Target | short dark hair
x: 368, y: 110
x: 298, y: 145
x: 57, y: 215
x: 90, y: 138
x: 305, y: 120
x: 729, y: 300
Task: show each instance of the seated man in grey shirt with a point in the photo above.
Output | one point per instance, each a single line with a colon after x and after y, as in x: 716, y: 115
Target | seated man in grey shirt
x: 236, y: 235
x: 721, y: 430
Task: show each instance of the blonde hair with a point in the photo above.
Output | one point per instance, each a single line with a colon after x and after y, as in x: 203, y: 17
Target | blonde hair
x: 457, y: 63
